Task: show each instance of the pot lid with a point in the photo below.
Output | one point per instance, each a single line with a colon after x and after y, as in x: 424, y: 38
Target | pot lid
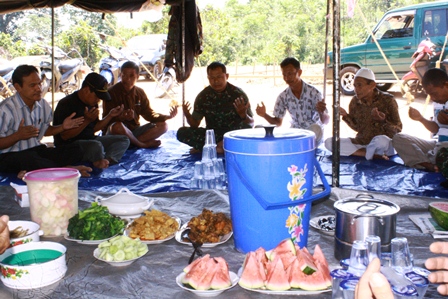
x: 269, y: 140
x: 367, y: 207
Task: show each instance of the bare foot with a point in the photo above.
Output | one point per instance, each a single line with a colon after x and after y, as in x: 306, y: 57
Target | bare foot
x: 152, y: 144
x: 381, y: 157
x: 103, y: 163
x: 219, y: 150
x: 194, y: 151
x: 21, y: 174
x: 83, y: 170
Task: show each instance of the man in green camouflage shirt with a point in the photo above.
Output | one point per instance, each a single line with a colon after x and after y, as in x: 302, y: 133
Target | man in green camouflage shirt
x: 224, y: 106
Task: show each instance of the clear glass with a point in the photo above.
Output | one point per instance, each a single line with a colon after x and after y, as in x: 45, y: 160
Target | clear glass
x: 373, y: 247
x: 359, y: 258
x: 210, y: 137
x: 401, y: 256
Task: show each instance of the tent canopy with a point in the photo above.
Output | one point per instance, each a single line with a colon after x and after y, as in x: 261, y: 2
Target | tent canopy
x: 104, y: 6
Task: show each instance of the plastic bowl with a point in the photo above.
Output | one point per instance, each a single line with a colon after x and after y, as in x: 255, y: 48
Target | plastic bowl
x: 33, y: 265
x: 125, y: 203
x: 33, y: 235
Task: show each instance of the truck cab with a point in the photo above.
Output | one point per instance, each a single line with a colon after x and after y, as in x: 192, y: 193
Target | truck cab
x: 398, y: 34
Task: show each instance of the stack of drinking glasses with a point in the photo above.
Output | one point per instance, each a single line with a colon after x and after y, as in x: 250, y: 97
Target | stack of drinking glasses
x: 406, y: 280
x: 209, y: 173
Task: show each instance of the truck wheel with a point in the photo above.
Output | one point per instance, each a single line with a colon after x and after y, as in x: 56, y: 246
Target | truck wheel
x: 347, y: 76
x: 384, y: 86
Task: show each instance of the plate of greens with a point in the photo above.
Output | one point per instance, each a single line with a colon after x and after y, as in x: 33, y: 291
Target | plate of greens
x: 94, y: 225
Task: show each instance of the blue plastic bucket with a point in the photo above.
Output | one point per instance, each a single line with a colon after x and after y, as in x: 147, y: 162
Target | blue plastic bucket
x: 270, y: 176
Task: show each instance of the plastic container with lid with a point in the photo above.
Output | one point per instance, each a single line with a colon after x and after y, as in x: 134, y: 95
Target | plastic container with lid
x: 53, y: 196
x: 270, y: 181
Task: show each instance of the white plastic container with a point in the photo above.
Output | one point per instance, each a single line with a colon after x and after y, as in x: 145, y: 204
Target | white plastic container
x: 53, y: 196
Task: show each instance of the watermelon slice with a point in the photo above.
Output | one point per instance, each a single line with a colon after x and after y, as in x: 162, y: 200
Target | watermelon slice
x: 277, y: 279
x: 253, y: 276
x: 221, y: 279
x: 439, y: 212
x: 195, y: 262
x: 202, y: 280
x: 313, y: 282
x: 318, y: 255
x: 293, y: 274
x: 195, y: 268
x: 285, y: 248
x: 306, y: 261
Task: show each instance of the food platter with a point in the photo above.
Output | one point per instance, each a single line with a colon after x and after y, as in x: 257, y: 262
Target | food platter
x: 152, y: 242
x: 315, y: 223
x: 292, y: 292
x: 208, y: 293
x: 178, y: 237
x: 86, y: 242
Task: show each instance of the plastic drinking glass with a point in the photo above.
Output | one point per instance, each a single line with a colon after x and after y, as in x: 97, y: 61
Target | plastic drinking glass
x: 401, y: 256
x: 386, y: 259
x: 194, y: 183
x: 347, y: 287
x: 373, y: 247
x: 209, y: 153
x: 420, y: 282
x: 198, y: 172
x: 337, y: 276
x: 210, y: 137
x: 208, y: 170
x: 359, y: 258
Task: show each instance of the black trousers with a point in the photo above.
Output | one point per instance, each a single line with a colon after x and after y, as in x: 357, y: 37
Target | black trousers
x: 40, y: 157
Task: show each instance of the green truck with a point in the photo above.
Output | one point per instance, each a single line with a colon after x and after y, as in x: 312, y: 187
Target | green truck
x: 398, y: 34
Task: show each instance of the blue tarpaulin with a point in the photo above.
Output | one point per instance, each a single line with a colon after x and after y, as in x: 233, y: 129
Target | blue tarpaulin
x: 170, y: 168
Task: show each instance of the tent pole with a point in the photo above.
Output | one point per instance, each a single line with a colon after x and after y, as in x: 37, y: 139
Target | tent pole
x: 183, y: 58
x: 53, y: 79
x: 336, y: 93
x: 327, y: 25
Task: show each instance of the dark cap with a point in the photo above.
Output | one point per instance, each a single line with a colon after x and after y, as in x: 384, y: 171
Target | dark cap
x: 99, y: 84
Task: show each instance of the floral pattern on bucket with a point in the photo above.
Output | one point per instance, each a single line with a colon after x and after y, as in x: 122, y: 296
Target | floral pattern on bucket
x: 296, y: 213
x: 12, y: 273
x: 20, y: 242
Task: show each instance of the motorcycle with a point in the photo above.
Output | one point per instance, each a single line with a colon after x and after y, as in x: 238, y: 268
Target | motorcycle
x: 411, y: 81
x: 165, y: 82
x: 6, y: 87
x: 110, y: 66
x: 68, y: 71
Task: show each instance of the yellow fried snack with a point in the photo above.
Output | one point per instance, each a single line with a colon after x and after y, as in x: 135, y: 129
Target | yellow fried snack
x: 209, y: 227
x: 154, y: 225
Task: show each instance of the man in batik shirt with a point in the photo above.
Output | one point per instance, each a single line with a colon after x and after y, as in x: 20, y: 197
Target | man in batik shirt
x: 224, y: 106
x: 303, y: 102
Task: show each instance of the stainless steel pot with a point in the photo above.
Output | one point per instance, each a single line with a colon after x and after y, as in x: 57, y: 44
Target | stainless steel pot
x: 356, y: 218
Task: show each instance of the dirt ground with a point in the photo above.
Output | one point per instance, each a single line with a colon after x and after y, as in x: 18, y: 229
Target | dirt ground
x: 261, y: 87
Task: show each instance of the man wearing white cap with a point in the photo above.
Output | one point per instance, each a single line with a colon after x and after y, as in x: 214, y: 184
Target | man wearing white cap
x: 373, y: 114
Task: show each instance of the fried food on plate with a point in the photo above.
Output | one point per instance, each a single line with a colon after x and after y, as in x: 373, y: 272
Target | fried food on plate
x: 154, y: 225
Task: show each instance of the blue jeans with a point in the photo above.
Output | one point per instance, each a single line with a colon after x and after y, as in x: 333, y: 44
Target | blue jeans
x: 111, y: 147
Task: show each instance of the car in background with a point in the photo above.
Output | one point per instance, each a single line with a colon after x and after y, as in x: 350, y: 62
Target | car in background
x: 399, y: 32
x: 150, y: 49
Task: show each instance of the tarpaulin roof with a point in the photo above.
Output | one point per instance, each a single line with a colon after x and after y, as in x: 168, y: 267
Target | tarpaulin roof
x: 105, y: 6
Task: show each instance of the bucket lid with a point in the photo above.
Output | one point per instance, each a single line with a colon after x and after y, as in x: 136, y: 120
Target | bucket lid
x: 367, y: 207
x: 51, y: 174
x: 267, y: 141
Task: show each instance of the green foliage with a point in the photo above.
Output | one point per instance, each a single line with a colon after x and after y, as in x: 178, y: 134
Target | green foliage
x: 10, y: 49
x: 248, y: 32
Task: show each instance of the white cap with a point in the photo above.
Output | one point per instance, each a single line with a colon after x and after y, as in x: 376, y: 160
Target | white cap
x: 365, y: 73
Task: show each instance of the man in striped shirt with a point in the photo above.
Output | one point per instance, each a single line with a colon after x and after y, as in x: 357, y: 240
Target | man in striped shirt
x: 25, y: 118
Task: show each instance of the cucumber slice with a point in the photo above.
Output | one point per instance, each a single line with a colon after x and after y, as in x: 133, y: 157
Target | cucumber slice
x: 119, y: 256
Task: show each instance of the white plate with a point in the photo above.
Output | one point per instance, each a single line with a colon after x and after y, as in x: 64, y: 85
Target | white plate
x: 314, y: 222
x: 87, y: 242
x: 126, y: 233
x: 224, y: 238
x: 96, y: 253
x: 287, y: 292
x: 208, y: 293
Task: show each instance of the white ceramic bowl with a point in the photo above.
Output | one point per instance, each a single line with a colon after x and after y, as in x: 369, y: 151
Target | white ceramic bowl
x: 33, y: 235
x: 96, y: 254
x: 32, y: 275
x: 125, y: 203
